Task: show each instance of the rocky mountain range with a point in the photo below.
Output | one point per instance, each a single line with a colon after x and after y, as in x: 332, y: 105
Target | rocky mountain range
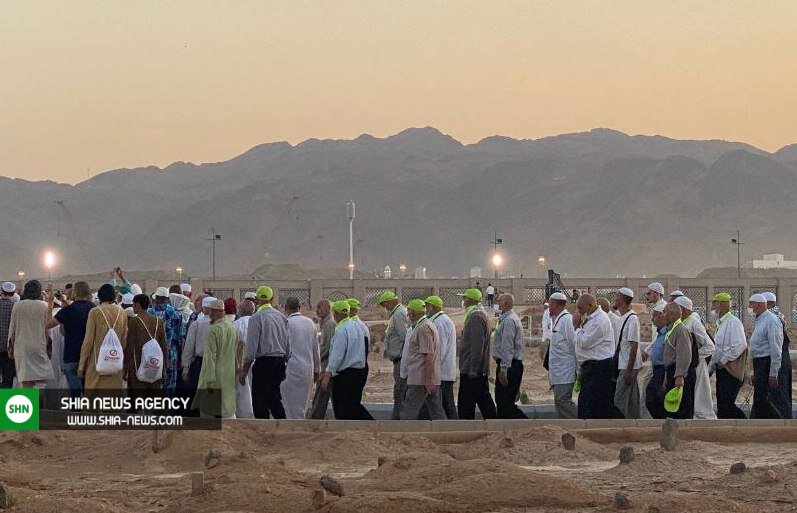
x: 599, y: 203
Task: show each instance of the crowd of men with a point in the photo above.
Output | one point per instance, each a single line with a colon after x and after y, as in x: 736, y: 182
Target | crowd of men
x: 598, y: 351
x: 256, y: 360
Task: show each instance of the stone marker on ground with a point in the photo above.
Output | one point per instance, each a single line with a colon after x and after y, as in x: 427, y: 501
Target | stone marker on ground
x: 626, y: 454
x: 197, y: 483
x: 4, y: 500
x: 738, y: 468
x: 212, y: 458
x: 569, y: 442
x: 160, y: 440
x: 506, y: 443
x: 381, y: 460
x: 769, y: 477
x: 621, y: 501
x: 332, y: 486
x: 669, y: 435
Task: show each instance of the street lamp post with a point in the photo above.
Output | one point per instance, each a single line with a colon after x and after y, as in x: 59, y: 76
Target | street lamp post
x: 497, y: 261
x: 21, y: 275
x: 350, y: 215
x: 179, y: 272
x: 49, y: 263
x: 739, y: 244
x: 214, y: 238
x: 402, y: 270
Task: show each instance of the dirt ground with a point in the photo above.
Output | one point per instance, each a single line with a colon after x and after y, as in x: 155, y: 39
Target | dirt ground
x: 497, y: 472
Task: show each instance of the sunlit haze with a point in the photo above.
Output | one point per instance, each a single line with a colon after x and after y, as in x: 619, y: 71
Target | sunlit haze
x: 96, y: 85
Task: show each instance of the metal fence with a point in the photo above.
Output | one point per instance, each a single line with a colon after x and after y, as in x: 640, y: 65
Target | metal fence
x: 303, y: 295
x: 449, y: 295
x: 336, y: 296
x: 534, y: 295
x: 409, y: 293
x: 699, y: 297
x: 372, y: 295
x: 737, y: 298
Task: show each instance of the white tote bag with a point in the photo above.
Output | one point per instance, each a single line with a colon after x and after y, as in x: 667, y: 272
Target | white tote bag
x: 150, y: 369
x: 110, y: 359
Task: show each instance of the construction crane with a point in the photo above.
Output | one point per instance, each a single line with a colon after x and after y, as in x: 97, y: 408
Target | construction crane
x: 78, y: 239
x: 286, y: 210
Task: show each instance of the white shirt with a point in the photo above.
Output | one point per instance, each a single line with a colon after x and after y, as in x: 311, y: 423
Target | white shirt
x: 630, y: 334
x: 704, y: 343
x: 546, y: 324
x: 562, y: 363
x: 490, y: 290
x: 305, y: 358
x: 447, y: 344
x: 595, y: 339
x: 241, y: 325
x: 730, y: 340
x: 195, y: 341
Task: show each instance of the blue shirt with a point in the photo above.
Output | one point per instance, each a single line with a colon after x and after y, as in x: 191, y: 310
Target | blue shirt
x: 657, y: 348
x: 348, y: 350
x: 767, y: 340
x: 74, y: 318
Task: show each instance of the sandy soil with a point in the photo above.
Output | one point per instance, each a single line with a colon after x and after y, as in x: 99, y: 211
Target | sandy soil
x: 506, y: 472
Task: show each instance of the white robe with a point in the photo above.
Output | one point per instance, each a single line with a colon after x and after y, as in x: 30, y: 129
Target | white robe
x: 59, y: 379
x: 304, y: 360
x: 243, y: 393
x: 704, y: 406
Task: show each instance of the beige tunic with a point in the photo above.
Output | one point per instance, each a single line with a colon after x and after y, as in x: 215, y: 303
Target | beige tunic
x: 96, y: 328
x: 27, y: 330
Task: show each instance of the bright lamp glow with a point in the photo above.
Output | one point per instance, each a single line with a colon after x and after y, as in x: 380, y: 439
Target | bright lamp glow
x: 49, y: 259
x: 497, y: 260
x: 541, y: 260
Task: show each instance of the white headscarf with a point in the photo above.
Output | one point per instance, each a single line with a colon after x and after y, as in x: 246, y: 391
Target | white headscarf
x: 181, y: 304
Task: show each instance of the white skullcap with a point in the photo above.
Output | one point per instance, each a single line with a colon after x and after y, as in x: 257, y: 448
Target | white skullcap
x: 136, y: 289
x: 684, y: 302
x: 9, y: 287
x: 769, y: 296
x: 250, y: 295
x: 129, y: 311
x: 161, y: 292
x: 127, y: 299
x: 558, y: 296
x: 758, y: 298
x: 208, y: 301
x: 626, y: 292
x: 15, y: 297
x: 659, y: 306
x: 215, y: 304
x: 676, y: 293
x: 185, y: 287
x: 656, y: 287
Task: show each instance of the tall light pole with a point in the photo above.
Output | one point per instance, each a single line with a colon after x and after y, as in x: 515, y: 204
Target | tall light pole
x: 214, y: 238
x: 495, y: 242
x: 350, y: 214
x: 21, y: 275
x: 179, y: 272
x: 739, y: 243
x: 49, y: 263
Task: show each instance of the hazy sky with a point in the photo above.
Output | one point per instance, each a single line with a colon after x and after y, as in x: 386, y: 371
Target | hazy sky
x: 105, y: 84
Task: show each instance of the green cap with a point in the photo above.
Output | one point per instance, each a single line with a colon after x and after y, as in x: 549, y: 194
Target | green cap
x: 672, y: 401
x: 472, y: 294
x: 354, y: 303
x: 264, y: 292
x: 723, y: 297
x: 416, y: 305
x: 340, y: 306
x: 386, y: 296
x: 435, y: 301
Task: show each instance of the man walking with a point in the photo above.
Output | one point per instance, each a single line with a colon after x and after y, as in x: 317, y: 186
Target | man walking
x: 7, y: 370
x: 508, y: 355
x: 704, y: 406
x: 782, y: 396
x: 74, y: 318
x: 680, y: 353
x: 304, y: 366
x: 346, y: 368
x: 423, y: 367
x: 655, y: 386
x: 490, y: 290
x: 395, y: 334
x: 628, y: 355
x: 474, y: 360
x: 175, y: 333
x: 594, y: 342
x: 326, y: 325
x: 215, y: 395
x: 447, y: 346
x: 562, y: 364
x: 729, y: 358
x: 766, y: 347
x: 267, y: 353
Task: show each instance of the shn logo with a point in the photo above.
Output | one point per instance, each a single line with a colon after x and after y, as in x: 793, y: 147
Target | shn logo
x: 20, y: 409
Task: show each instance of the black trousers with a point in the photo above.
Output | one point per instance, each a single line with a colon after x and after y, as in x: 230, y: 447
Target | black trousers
x: 654, y: 393
x: 596, y: 399
x: 687, y: 409
x: 763, y: 406
x: 727, y: 389
x: 782, y: 396
x: 7, y: 371
x: 505, y: 396
x: 347, y: 395
x: 268, y: 373
x: 473, y: 392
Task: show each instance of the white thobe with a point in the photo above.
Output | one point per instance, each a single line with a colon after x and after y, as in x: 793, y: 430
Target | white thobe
x: 243, y: 393
x: 305, y: 359
x: 546, y: 325
x: 59, y: 379
x: 704, y: 405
